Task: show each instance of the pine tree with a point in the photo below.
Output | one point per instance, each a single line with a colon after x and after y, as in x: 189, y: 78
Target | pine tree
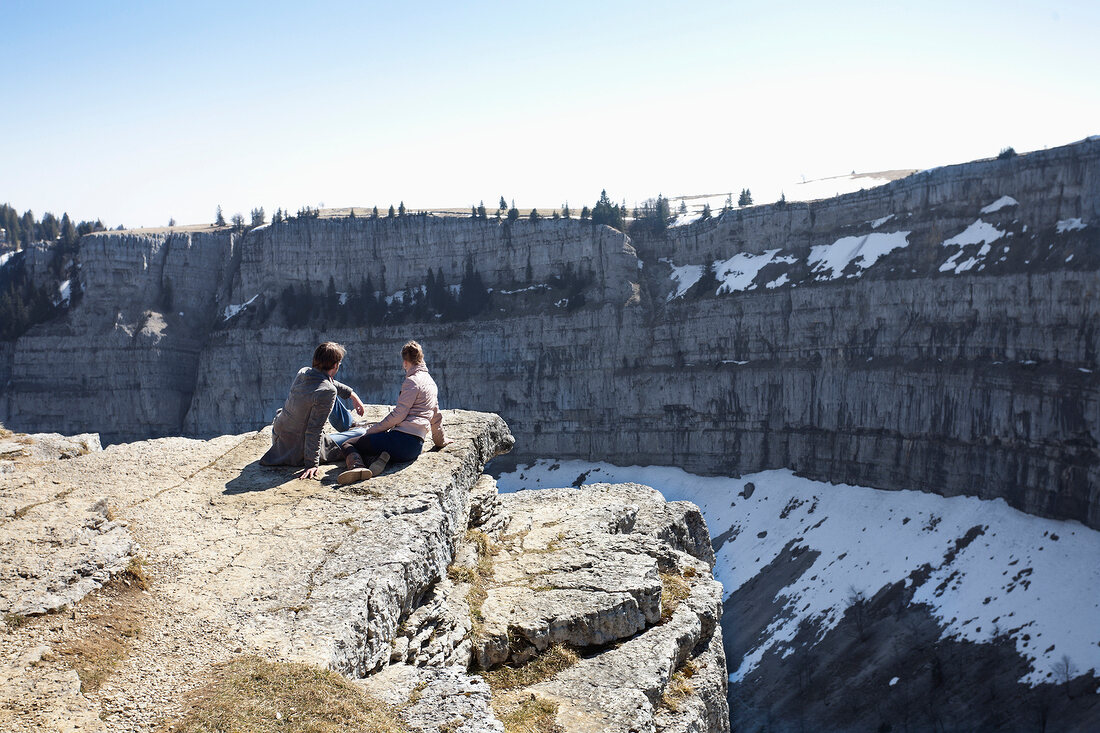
x: 238, y: 221
x: 607, y: 213
x: 565, y: 213
x: 68, y: 231
x: 473, y: 211
x: 746, y: 198
x: 374, y: 213
x: 171, y: 222
x: 26, y: 228
x: 481, y: 211
x: 663, y: 210
x: 585, y: 213
x: 49, y: 228
x: 503, y: 204
x: 728, y: 205
x: 258, y: 217
x: 683, y: 206
x: 513, y: 213
x: 401, y: 209
x: 533, y: 217
x: 392, y: 213
x: 706, y: 212
x: 278, y: 218
x: 351, y: 214
x: 473, y: 295
x: 219, y: 219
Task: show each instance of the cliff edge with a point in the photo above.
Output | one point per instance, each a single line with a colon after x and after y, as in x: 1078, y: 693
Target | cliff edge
x: 176, y: 583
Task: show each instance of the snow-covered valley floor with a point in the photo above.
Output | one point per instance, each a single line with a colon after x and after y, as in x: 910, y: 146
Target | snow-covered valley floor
x: 991, y: 569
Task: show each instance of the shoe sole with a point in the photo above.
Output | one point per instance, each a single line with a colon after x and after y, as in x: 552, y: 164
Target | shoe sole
x: 354, y: 474
x: 379, y: 464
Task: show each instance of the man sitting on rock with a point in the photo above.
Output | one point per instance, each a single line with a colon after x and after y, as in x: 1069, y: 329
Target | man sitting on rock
x: 296, y: 437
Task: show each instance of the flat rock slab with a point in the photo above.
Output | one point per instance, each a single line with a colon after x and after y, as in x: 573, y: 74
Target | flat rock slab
x: 246, y: 558
x: 57, y: 552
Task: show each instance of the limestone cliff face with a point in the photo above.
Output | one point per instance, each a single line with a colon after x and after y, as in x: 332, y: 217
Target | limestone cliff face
x: 397, y: 253
x: 124, y: 357
x: 937, y: 333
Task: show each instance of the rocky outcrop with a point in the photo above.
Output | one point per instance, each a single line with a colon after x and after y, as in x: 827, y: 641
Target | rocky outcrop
x: 936, y: 333
x: 363, y: 579
x: 616, y: 570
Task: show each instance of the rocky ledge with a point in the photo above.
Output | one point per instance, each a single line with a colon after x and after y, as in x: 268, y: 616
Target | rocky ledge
x: 133, y: 574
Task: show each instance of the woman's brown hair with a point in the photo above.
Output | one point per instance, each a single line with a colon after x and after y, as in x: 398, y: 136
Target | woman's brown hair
x: 412, y: 353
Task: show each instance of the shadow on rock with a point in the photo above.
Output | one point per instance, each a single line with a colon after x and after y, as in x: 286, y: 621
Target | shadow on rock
x: 255, y: 477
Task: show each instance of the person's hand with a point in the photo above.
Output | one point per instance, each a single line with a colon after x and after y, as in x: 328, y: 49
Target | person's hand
x: 309, y: 473
x: 445, y: 444
x: 357, y: 404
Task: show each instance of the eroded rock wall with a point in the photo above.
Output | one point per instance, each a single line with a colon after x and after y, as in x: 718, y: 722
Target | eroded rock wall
x: 936, y: 333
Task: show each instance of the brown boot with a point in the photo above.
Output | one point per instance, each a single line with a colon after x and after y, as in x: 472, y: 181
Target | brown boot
x: 378, y: 465
x: 356, y: 470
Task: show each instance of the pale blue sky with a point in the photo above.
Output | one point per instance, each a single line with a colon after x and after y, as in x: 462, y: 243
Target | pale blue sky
x: 137, y: 112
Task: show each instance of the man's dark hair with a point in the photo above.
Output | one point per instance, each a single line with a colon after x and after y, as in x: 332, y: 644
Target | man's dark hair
x: 328, y: 355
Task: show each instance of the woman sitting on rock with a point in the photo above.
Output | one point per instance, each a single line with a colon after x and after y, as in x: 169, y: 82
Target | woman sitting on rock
x: 296, y: 437
x: 400, y: 435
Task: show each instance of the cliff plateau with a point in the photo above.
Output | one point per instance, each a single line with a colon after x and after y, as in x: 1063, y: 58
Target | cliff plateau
x: 140, y: 575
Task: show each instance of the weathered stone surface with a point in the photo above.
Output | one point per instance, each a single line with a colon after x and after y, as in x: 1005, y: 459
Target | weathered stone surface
x: 436, y: 699
x: 584, y: 567
x: 250, y: 559
x: 36, y: 695
x: 45, y: 446
x: 56, y: 553
x: 55, y: 550
x: 437, y: 632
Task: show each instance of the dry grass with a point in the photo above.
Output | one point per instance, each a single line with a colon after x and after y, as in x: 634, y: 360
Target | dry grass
x: 477, y: 576
x: 542, y: 667
x: 15, y: 620
x: 674, y: 589
x: 105, y: 637
x: 528, y: 714
x: 462, y: 574
x: 252, y: 694
x: 135, y: 574
x: 679, y: 687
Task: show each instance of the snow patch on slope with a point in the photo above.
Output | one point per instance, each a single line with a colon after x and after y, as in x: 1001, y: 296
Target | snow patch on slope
x: 824, y: 188
x: 684, y: 276
x: 231, y: 311
x: 980, y: 232
x: 999, y: 204
x: 1022, y: 575
x: 738, y: 272
x: 829, y: 260
x: 1069, y: 225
